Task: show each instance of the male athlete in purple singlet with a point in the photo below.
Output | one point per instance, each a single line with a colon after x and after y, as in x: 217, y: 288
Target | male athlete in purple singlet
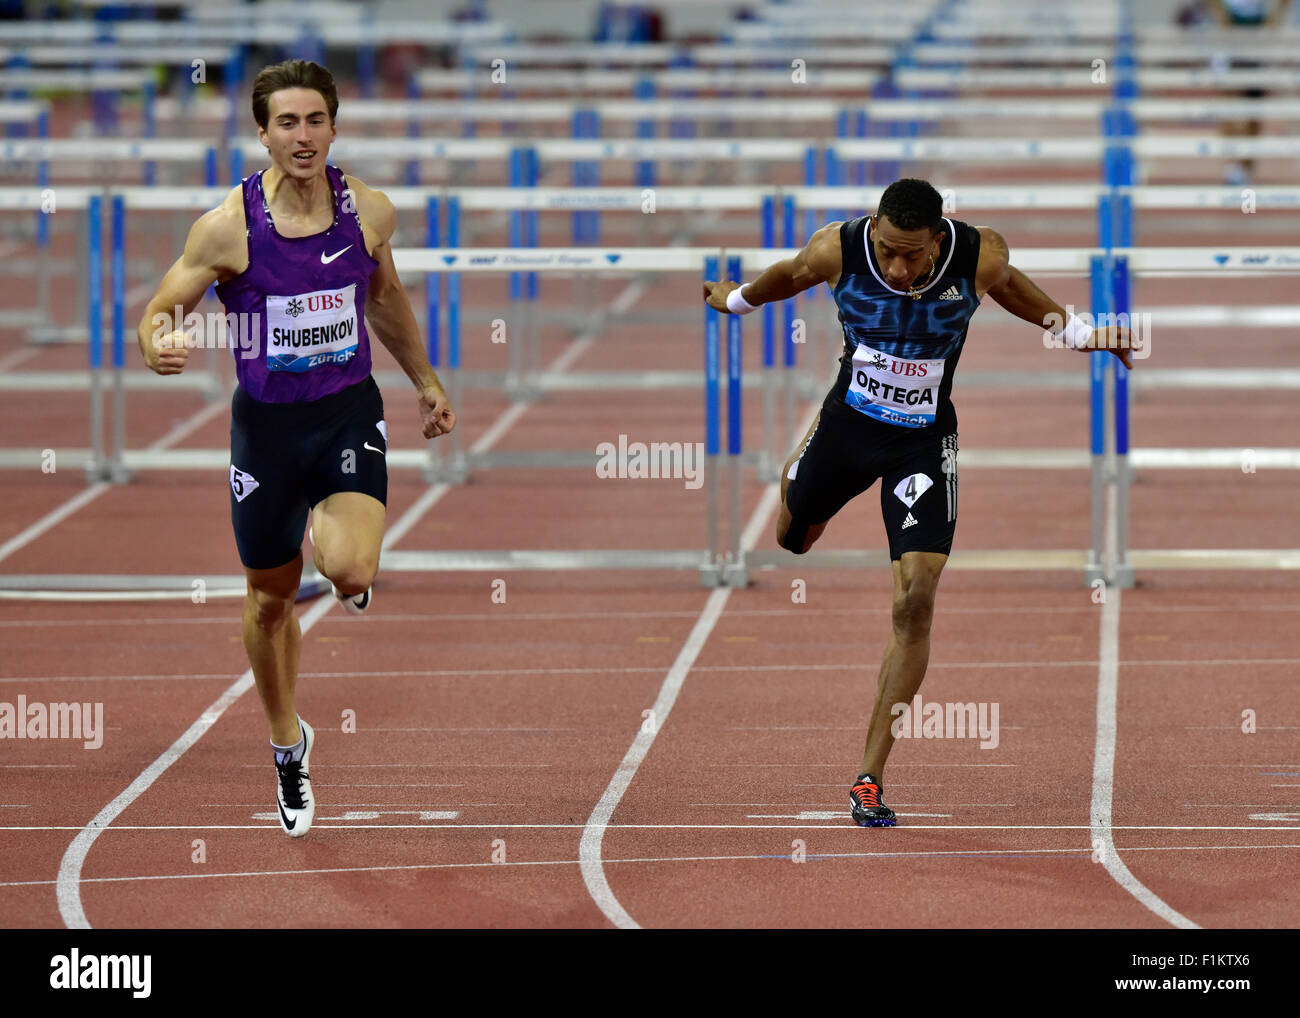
x: 301, y: 258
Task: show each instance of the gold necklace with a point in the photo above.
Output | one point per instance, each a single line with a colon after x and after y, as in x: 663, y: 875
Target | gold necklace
x: 912, y: 291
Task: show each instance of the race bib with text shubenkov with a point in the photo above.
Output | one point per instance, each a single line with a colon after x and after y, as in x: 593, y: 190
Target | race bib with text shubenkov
x: 310, y: 329
x: 893, y: 390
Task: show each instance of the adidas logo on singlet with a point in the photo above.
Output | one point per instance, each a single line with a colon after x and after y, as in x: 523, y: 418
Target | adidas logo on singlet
x: 909, y: 522
x: 950, y: 294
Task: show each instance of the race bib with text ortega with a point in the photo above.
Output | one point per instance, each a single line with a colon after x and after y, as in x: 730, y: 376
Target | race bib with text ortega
x: 892, y: 390
x: 310, y: 329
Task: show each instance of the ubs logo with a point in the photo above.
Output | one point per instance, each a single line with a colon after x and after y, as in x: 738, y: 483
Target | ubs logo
x: 294, y: 308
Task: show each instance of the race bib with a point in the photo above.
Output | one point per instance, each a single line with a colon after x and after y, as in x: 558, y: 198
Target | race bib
x: 310, y: 329
x: 894, y: 390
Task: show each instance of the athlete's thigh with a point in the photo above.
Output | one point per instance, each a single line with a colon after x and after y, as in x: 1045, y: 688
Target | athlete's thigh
x: 832, y: 468
x: 268, y: 506
x: 352, y: 460
x: 918, y: 497
x: 348, y: 522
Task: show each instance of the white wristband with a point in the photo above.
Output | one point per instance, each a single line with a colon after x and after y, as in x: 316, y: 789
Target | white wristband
x: 1075, y: 335
x: 737, y: 304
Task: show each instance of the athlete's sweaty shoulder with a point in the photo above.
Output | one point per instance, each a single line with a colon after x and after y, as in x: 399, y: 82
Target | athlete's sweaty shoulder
x: 378, y: 217
x: 994, y: 261
x: 218, y: 238
x: 822, y: 254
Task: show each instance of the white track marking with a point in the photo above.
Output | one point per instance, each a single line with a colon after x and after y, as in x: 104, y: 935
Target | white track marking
x: 1103, y: 765
x: 959, y: 854
x: 593, y: 834
x: 1292, y: 827
x: 68, y: 883
x: 17, y: 357
x: 56, y: 516
x: 436, y: 672
x: 735, y: 613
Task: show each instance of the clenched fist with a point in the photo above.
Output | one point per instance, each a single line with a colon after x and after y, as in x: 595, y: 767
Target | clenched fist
x: 167, y: 354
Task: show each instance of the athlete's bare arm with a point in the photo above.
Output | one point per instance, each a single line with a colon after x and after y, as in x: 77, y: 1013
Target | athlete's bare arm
x: 388, y: 310
x: 819, y: 261
x: 996, y: 276
x: 215, y: 250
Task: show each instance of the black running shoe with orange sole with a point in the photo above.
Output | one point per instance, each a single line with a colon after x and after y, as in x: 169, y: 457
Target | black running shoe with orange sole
x: 866, y: 806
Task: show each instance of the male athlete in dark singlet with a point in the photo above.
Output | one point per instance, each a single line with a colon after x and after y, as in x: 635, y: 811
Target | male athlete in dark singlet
x: 906, y: 281
x: 305, y: 249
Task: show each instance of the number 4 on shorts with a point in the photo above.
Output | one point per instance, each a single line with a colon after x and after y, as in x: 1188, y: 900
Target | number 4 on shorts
x: 242, y: 484
x: 909, y: 489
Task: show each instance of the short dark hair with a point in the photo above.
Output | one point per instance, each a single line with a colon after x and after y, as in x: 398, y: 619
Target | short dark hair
x: 292, y: 74
x: 912, y: 204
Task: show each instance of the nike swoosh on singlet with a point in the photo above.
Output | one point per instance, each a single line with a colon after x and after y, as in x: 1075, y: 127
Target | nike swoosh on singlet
x: 325, y: 260
x: 367, y: 445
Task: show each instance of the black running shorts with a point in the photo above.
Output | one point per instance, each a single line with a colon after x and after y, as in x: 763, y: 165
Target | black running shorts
x: 287, y: 457
x: 848, y: 453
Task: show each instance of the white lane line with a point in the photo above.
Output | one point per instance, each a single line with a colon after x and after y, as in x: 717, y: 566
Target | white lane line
x: 661, y: 827
x: 1103, y: 763
x: 735, y: 613
x: 435, y: 672
x: 17, y: 357
x: 56, y: 516
x: 956, y: 854
x: 593, y: 834
x: 68, y: 883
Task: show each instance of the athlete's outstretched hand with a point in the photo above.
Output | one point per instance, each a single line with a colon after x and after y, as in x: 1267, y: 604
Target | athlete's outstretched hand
x: 167, y: 354
x: 715, y: 295
x: 436, y: 414
x: 1117, y: 340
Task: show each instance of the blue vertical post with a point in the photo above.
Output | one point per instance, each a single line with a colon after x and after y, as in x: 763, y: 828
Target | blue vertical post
x: 210, y: 167
x: 788, y: 217
x: 514, y: 222
x: 94, y: 280
x: 95, y: 310
x: 645, y: 169
x: 118, y: 280
x: 530, y: 172
x: 453, y: 287
x: 412, y: 131
x: 1097, y: 361
x: 860, y: 166
x: 1119, y: 281
x: 150, y: 130
x: 767, y: 458
x: 711, y: 429
x: 236, y: 166
x: 43, y: 180
x: 433, y: 282
x: 768, y: 240
x: 734, y: 366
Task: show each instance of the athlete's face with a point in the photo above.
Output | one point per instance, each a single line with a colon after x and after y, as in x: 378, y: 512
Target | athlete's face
x: 298, y: 131
x: 903, y: 255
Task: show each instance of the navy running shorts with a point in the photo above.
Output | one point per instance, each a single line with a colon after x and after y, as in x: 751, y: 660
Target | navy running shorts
x: 287, y: 457
x: 917, y: 468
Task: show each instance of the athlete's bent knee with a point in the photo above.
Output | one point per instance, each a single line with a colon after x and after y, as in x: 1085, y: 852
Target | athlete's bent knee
x: 269, y: 612
x: 795, y: 538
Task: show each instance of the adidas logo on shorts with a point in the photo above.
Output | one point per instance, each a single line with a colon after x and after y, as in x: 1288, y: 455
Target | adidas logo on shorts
x: 909, y: 522
x: 950, y: 294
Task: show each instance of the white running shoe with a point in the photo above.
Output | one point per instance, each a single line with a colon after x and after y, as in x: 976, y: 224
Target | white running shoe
x: 293, y: 789
x: 354, y: 603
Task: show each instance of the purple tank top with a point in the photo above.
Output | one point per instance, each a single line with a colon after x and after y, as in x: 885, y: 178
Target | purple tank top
x: 309, y: 295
